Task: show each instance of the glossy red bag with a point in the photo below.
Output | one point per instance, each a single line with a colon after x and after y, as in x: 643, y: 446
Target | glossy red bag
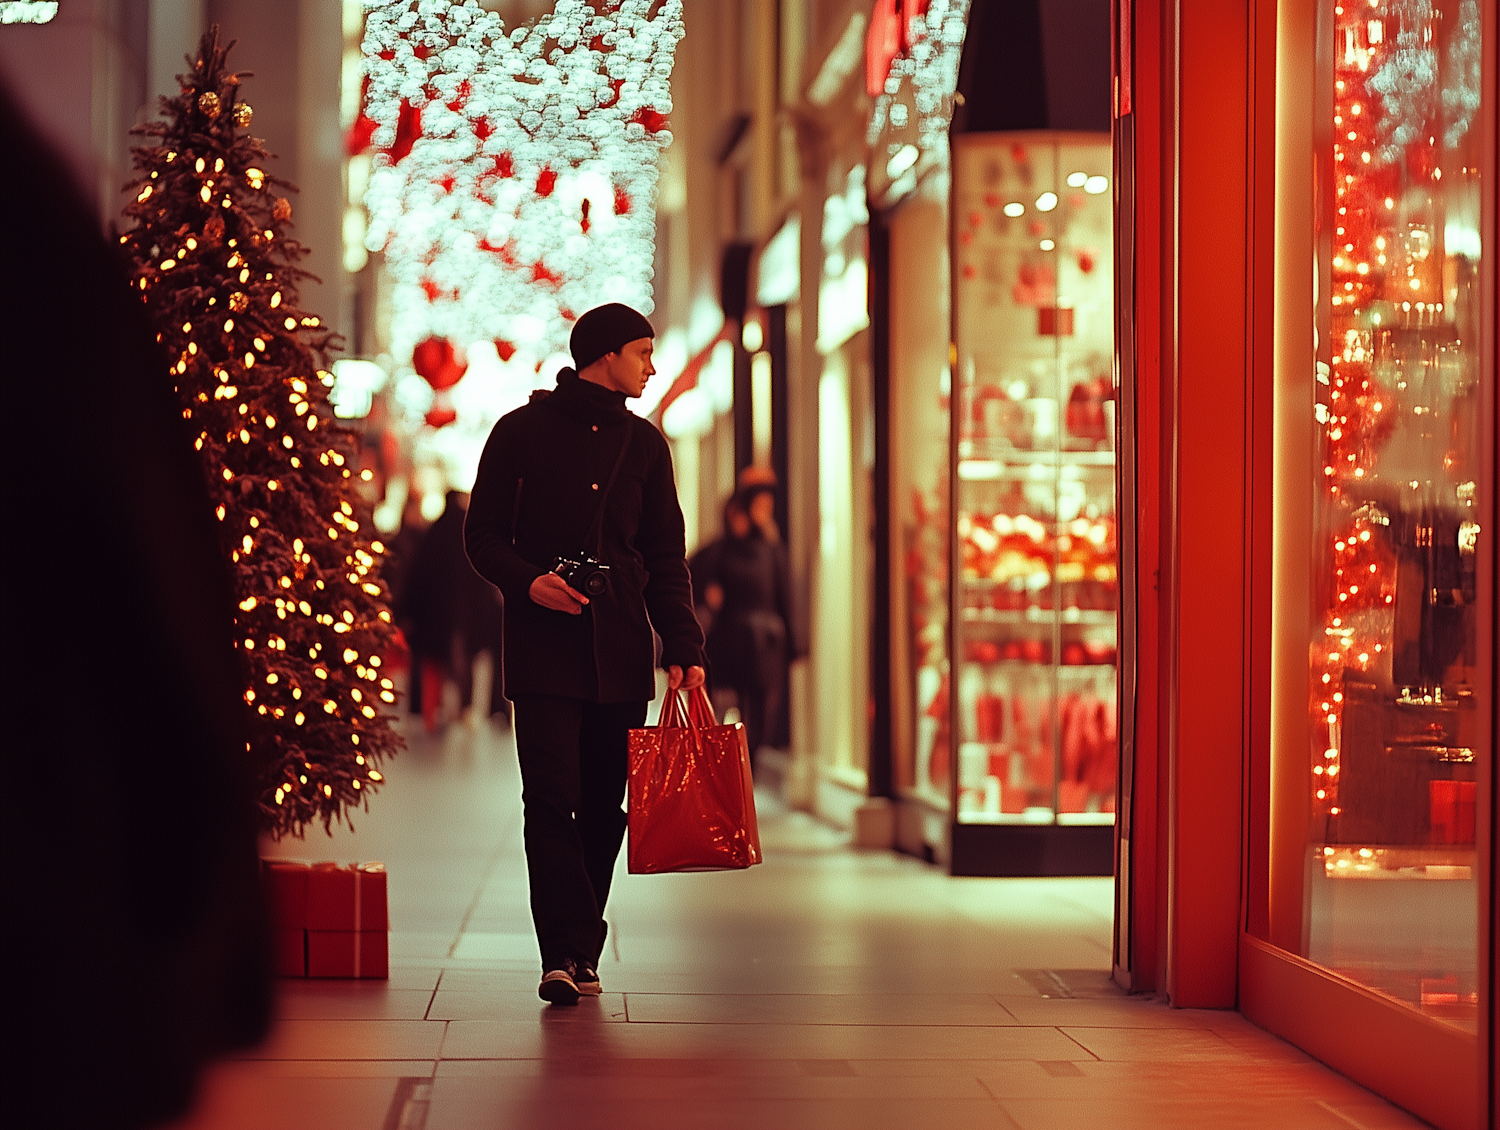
x: 692, y: 802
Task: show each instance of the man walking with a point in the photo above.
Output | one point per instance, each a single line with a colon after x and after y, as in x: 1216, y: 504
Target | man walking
x: 574, y: 517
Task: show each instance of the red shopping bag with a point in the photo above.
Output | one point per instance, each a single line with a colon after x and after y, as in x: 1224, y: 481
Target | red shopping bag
x: 692, y: 804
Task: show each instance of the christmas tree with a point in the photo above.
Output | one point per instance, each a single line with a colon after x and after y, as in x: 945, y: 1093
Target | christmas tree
x: 215, y: 267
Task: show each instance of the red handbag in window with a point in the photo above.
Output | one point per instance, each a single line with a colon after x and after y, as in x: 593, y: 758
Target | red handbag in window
x: 692, y: 803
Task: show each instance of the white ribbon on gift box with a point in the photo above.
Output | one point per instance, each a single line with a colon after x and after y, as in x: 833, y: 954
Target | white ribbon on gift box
x: 359, y: 912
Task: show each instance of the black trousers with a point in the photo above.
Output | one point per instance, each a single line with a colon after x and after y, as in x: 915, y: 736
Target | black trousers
x: 573, y: 777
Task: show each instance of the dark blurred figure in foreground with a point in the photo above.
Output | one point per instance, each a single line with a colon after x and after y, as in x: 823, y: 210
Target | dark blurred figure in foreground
x: 740, y: 587
x: 449, y: 614
x: 137, y: 934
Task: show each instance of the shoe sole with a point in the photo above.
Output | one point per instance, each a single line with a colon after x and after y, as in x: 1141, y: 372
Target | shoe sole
x: 590, y: 988
x: 558, y: 990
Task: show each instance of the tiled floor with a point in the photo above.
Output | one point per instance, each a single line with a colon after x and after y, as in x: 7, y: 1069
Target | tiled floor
x: 826, y: 988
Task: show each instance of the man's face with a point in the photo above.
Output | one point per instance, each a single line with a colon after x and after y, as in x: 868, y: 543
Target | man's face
x: 630, y: 368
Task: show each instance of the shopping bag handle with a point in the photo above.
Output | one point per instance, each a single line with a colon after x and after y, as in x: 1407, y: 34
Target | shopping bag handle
x: 694, y: 714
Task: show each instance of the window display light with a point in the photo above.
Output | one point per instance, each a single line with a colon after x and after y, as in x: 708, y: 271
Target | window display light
x: 514, y: 170
x: 1396, y: 356
x: 1399, y: 725
x: 217, y: 270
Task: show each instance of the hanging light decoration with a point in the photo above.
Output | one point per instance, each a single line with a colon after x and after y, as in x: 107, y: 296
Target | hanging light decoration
x: 924, y: 57
x: 514, y: 171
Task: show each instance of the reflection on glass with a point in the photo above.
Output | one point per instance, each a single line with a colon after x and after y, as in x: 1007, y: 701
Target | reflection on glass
x: 1397, y: 734
x: 1035, y: 607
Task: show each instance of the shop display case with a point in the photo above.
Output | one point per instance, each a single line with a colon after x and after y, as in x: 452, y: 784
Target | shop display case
x: 1403, y: 584
x: 1034, y: 564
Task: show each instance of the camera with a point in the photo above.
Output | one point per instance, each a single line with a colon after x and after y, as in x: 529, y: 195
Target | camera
x: 584, y: 573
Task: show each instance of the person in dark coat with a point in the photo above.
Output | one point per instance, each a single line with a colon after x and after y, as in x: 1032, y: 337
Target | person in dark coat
x: 447, y: 612
x: 574, y: 474
x: 741, y: 579
x: 426, y: 607
x: 131, y: 884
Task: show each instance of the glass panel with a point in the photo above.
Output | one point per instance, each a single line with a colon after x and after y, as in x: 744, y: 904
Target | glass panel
x: 1402, y: 612
x: 920, y: 382
x: 1037, y: 562
x: 843, y: 577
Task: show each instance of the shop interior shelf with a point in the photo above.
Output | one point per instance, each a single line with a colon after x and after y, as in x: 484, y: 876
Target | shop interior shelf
x: 1042, y: 617
x: 1002, y: 464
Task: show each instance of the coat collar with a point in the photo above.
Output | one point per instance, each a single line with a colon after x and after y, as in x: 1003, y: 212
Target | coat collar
x: 585, y: 400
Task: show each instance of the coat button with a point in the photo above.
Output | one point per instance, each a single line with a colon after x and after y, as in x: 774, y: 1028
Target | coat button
x: 595, y: 486
x: 596, y: 427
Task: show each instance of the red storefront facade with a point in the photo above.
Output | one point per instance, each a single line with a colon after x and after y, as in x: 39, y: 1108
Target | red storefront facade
x: 1307, y: 787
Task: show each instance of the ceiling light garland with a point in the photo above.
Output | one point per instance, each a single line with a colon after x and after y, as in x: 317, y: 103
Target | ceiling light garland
x: 929, y: 66
x: 514, y: 171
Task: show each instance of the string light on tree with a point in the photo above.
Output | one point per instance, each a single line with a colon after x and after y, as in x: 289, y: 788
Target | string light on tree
x: 514, y: 171
x: 215, y: 267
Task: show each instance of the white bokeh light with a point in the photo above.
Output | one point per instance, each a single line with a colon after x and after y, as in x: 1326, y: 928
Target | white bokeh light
x: 513, y: 181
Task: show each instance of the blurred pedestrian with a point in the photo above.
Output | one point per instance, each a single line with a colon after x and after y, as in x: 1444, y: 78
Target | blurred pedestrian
x: 449, y: 613
x: 575, y: 519
x: 131, y: 885
x: 741, y: 579
x: 427, y: 607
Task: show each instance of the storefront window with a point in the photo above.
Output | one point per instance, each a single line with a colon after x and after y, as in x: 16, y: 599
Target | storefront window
x: 1036, y: 559
x: 920, y: 382
x: 1403, y: 581
x: 844, y: 563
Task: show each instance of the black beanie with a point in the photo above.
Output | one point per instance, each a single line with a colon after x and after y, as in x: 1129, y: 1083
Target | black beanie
x: 606, y: 329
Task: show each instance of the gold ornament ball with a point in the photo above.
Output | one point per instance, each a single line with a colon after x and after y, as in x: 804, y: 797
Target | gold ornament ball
x: 239, y: 302
x: 242, y: 114
x: 208, y: 102
x: 282, y: 209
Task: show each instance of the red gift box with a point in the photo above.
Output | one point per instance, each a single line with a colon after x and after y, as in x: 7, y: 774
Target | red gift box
x: 285, y: 884
x: 289, y: 952
x: 347, y: 897
x: 330, y: 920
x: 1452, y: 805
x: 347, y: 953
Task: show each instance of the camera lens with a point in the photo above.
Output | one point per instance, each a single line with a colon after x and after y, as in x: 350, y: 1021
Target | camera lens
x: 595, y: 584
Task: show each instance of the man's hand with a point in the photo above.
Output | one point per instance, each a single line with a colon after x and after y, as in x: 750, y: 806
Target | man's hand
x: 676, y: 680
x: 551, y: 591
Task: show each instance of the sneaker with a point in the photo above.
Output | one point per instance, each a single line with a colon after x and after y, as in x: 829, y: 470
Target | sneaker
x: 587, y: 980
x: 558, y: 985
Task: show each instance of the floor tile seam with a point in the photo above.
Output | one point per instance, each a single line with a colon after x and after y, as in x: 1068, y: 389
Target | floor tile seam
x: 333, y: 1059
x: 1020, y: 1025
x: 1002, y: 1025
x: 478, y: 897
x: 1088, y: 1051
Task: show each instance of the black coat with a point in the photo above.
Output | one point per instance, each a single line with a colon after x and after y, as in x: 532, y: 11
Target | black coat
x: 747, y: 641
x: 534, y: 500
x: 441, y: 596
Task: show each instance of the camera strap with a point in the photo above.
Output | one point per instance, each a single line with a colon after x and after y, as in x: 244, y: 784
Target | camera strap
x: 596, y: 531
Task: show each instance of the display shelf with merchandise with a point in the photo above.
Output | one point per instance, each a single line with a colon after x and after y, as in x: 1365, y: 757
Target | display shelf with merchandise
x: 1035, y: 558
